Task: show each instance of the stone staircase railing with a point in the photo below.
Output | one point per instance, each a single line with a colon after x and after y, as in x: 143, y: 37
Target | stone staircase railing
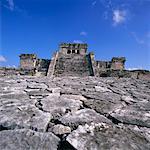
x: 51, y: 68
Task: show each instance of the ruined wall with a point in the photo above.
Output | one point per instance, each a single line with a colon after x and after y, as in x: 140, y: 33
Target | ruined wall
x: 9, y: 71
x: 135, y: 74
x: 113, y: 68
x: 140, y: 74
x: 103, y: 65
x: 28, y: 61
x: 42, y: 66
x: 117, y: 63
x: 31, y: 65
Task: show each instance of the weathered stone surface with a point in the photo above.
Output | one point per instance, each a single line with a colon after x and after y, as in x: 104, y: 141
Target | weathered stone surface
x: 102, y: 89
x: 60, y: 129
x: 103, y: 103
x: 36, y: 93
x: 27, y: 139
x: 82, y: 117
x: 144, y: 131
x: 105, y: 137
x: 18, y: 110
x: 23, y: 116
x: 36, y: 85
x: 62, y: 105
x: 136, y: 115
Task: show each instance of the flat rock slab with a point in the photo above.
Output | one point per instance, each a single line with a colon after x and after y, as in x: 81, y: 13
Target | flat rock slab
x: 83, y: 116
x: 57, y: 104
x: 135, y: 115
x: 105, y: 137
x: 36, y: 85
x: 24, y: 116
x: 27, y: 139
x: 104, y: 103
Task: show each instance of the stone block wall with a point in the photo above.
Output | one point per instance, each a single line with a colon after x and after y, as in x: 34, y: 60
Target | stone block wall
x: 117, y: 63
x: 140, y: 74
x: 102, y: 68
x: 31, y: 65
x: 28, y: 61
x: 9, y: 71
x: 135, y: 74
x: 103, y: 65
x: 73, y: 48
x: 70, y: 65
x: 42, y: 66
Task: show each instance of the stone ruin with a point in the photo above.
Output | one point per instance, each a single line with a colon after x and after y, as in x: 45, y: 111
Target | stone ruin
x: 30, y: 64
x: 72, y: 59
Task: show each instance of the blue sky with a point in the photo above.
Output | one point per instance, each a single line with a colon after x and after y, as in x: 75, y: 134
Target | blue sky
x: 110, y: 27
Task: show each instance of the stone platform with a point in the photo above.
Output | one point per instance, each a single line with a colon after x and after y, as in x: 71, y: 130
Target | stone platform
x: 68, y: 113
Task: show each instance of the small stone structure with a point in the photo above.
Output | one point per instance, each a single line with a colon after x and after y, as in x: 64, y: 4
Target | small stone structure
x: 72, y: 59
x: 118, y: 63
x: 28, y: 61
x: 30, y: 64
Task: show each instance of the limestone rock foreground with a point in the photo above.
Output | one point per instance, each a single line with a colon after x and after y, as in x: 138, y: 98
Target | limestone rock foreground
x: 69, y: 113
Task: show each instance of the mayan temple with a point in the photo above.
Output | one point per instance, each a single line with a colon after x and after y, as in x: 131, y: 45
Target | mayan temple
x: 72, y: 59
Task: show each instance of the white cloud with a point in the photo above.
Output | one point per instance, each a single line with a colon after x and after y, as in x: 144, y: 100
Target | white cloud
x: 2, y: 58
x: 119, y: 17
x: 137, y: 39
x: 83, y: 33
x: 77, y: 41
x: 118, y: 13
x: 10, y: 5
x: 14, y: 66
x: 11, y: 66
x: 134, y: 68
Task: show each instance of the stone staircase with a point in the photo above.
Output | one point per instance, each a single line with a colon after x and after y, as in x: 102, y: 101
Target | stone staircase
x: 72, y: 65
